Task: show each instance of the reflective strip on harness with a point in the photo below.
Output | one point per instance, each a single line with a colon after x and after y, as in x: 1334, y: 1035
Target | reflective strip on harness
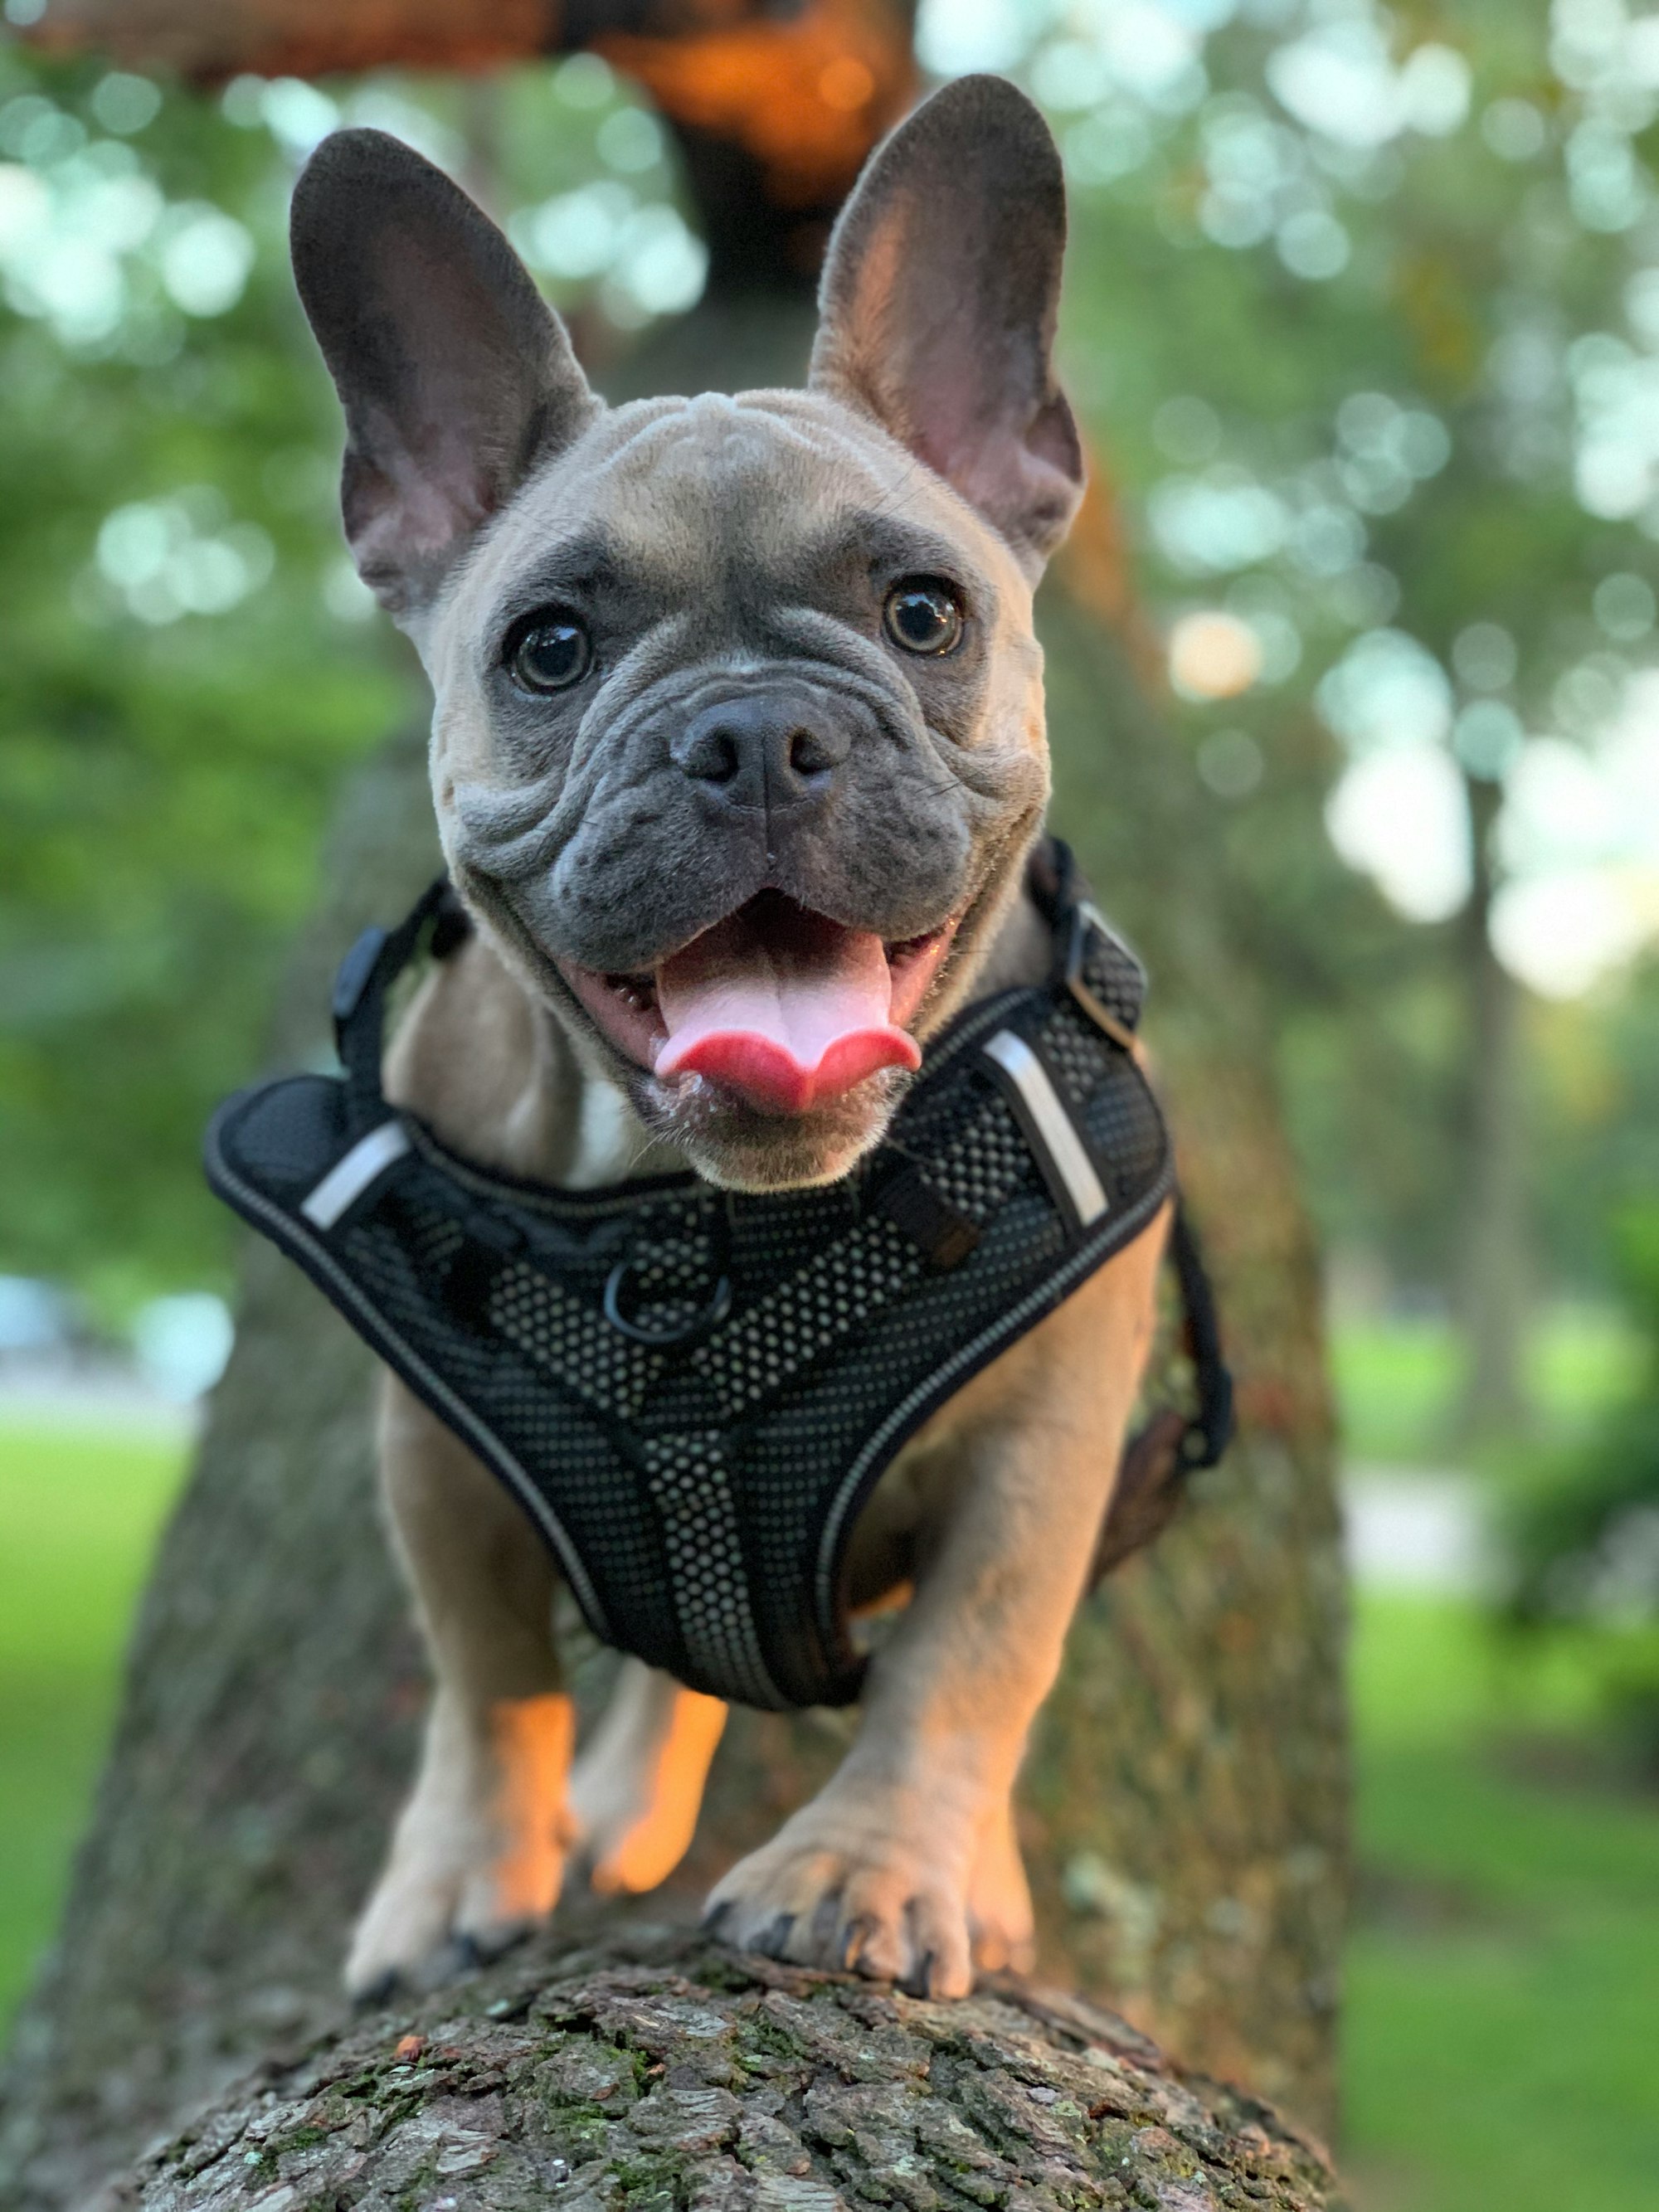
x: 348, y: 1179
x: 1049, y: 1128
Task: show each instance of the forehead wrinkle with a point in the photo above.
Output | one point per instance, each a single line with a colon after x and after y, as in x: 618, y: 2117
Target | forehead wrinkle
x: 585, y: 562
x: 874, y: 531
x: 839, y: 438
x: 754, y: 426
x: 618, y: 435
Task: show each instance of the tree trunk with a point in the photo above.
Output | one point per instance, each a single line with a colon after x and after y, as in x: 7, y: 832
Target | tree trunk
x: 1187, y: 1793
x: 652, y: 2071
x: 1183, y: 1809
x: 1492, y: 1285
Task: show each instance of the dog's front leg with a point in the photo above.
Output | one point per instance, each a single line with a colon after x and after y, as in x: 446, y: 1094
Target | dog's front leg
x: 636, y: 1787
x: 478, y: 1853
x: 886, y: 1869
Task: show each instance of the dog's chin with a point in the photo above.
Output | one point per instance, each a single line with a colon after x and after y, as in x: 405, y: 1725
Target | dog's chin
x: 734, y: 1146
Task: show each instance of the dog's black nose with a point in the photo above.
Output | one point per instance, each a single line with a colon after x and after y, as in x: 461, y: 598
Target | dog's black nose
x: 770, y: 751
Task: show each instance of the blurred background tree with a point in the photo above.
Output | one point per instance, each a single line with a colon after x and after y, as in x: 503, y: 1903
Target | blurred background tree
x: 1584, y: 1519
x: 1365, y: 317
x: 1361, y: 313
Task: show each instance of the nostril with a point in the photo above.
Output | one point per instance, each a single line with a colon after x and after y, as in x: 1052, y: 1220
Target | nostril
x: 714, y: 758
x: 808, y: 756
x: 753, y: 752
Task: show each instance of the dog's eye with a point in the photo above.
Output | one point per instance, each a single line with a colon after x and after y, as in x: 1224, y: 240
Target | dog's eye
x: 549, y: 652
x: 923, y: 616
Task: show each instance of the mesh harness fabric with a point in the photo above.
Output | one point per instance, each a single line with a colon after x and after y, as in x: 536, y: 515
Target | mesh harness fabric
x: 690, y: 1392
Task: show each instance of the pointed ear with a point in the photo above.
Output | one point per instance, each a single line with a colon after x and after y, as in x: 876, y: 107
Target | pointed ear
x: 455, y: 375
x: 937, y: 308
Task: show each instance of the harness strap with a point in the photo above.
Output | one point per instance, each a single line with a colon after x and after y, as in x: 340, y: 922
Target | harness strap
x: 1157, y: 1459
x: 1160, y: 1455
x: 369, y: 969
x: 376, y: 960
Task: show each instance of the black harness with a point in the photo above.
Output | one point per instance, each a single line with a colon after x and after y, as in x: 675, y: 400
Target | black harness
x: 692, y: 1393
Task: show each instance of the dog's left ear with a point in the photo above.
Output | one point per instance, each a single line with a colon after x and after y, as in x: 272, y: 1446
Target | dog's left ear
x: 456, y: 377
x: 937, y: 305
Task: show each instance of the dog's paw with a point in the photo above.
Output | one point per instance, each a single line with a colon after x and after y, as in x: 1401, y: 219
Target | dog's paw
x: 635, y: 1789
x: 478, y: 1856
x: 877, y: 1905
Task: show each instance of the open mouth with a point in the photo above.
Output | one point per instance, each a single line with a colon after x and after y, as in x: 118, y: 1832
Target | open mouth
x: 780, y: 1006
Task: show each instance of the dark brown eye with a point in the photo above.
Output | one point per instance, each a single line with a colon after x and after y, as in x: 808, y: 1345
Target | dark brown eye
x: 923, y: 616
x: 549, y: 652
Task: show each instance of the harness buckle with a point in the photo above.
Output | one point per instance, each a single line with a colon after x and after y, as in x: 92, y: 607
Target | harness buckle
x: 1086, y: 917
x: 715, y: 1310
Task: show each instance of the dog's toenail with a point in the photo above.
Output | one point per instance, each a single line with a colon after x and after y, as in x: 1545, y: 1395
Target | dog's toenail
x: 378, y: 1994
x: 853, y: 1937
x: 824, y: 1920
x: 716, y: 1918
x: 917, y: 1983
x: 771, y: 1943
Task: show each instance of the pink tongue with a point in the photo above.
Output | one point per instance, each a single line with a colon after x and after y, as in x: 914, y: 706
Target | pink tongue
x: 781, y: 1006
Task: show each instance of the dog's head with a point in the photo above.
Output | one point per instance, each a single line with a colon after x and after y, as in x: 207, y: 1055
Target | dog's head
x: 738, y: 746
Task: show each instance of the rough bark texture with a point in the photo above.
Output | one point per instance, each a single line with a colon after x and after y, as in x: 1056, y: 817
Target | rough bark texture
x: 1185, y: 1799
x: 657, y: 2072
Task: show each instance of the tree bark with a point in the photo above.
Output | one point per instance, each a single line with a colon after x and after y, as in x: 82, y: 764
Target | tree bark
x: 654, y: 2071
x: 1187, y: 1793
x: 1492, y: 1276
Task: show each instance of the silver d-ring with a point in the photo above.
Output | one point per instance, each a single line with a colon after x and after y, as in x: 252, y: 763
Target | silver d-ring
x: 664, y: 1340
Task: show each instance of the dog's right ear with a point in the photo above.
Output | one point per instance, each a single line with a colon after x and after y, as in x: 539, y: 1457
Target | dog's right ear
x: 455, y: 375
x: 937, y: 306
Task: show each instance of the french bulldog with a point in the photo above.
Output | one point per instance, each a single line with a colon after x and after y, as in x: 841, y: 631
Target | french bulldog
x: 737, y: 756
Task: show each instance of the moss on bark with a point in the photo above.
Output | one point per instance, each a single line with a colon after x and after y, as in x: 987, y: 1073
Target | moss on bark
x: 659, y: 2072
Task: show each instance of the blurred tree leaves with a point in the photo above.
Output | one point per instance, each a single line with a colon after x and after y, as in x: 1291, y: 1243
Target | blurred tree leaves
x: 1364, y: 303
x: 189, y: 663
x: 1350, y: 301
x: 163, y: 781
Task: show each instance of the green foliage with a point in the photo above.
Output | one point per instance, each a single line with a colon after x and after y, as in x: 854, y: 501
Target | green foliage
x: 1584, y: 1521
x: 164, y: 774
x: 1397, y: 443
x: 1398, y: 1377
x: 1578, y: 1528
x: 1348, y: 383
x: 189, y: 664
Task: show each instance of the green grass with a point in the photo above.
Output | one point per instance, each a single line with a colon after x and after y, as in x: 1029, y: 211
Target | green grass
x: 1502, y: 2049
x: 78, y: 1514
x: 1502, y: 2023
x: 1397, y: 1379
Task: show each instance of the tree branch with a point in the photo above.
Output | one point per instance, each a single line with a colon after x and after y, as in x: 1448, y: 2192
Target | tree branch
x: 653, y: 2069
